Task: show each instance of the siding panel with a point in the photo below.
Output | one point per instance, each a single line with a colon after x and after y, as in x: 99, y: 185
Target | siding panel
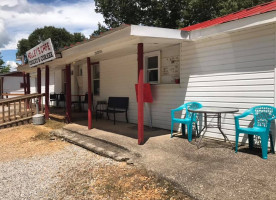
x: 234, y: 70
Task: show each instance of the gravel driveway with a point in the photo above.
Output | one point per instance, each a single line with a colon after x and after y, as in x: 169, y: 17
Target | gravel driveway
x: 35, y: 165
x: 39, y: 177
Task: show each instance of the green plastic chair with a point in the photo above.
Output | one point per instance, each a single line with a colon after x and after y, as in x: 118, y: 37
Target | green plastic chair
x: 263, y: 115
x: 187, y: 120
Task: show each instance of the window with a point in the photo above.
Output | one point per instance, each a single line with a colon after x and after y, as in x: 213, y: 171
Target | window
x: 96, y: 79
x: 152, y: 67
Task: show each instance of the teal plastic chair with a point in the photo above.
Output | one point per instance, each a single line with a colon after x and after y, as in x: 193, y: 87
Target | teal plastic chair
x: 263, y: 115
x: 188, y: 120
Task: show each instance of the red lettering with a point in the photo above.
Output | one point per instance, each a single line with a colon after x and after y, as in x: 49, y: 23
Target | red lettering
x: 48, y: 46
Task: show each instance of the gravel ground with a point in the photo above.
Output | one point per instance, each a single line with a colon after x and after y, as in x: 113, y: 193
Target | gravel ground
x: 38, y: 177
x: 36, y: 165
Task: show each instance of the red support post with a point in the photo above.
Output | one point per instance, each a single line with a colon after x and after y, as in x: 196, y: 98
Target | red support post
x: 47, y: 82
x: 89, y: 94
x: 28, y: 88
x: 24, y: 82
x: 39, y: 86
x: 28, y: 83
x: 68, y: 93
x: 140, y: 93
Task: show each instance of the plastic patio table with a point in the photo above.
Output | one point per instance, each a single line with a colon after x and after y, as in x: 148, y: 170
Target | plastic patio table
x: 213, y: 112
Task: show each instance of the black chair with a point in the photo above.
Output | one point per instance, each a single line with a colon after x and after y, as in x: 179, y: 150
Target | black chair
x: 85, y: 101
x: 74, y: 103
x: 54, y: 98
x: 62, y: 98
x: 117, y: 105
x: 101, y: 107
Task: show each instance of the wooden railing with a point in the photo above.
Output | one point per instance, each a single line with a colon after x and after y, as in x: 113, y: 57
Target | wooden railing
x: 9, y: 95
x: 18, y: 109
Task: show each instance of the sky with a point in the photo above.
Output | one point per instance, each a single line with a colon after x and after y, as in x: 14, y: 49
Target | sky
x: 19, y: 18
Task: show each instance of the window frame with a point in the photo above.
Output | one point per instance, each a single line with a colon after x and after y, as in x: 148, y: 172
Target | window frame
x: 146, y: 56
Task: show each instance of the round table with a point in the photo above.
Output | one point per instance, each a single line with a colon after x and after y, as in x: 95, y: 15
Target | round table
x: 213, y: 112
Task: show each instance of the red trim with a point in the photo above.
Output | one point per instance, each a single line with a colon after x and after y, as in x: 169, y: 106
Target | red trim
x: 24, y: 82
x: 140, y: 93
x: 68, y: 93
x: 39, y: 86
x: 2, y: 87
x: 47, y: 82
x: 259, y: 9
x: 28, y: 84
x: 89, y: 93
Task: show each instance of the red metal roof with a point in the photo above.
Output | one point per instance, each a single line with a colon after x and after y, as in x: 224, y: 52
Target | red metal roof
x: 259, y: 9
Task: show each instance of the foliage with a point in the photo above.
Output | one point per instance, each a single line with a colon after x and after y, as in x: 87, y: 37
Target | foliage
x: 3, y: 68
x: 1, y: 61
x: 101, y: 29
x: 167, y: 13
x: 60, y: 37
x: 77, y: 37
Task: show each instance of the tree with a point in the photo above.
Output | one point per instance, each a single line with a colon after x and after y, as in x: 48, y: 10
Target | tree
x: 3, y: 68
x: 1, y: 61
x: 77, y: 37
x: 60, y: 37
x: 101, y: 29
x: 167, y: 13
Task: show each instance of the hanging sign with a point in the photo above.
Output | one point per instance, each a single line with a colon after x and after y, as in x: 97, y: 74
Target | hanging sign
x: 147, y: 93
x: 41, y: 53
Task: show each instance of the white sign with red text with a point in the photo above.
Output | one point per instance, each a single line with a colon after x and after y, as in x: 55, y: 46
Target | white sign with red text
x: 41, y: 53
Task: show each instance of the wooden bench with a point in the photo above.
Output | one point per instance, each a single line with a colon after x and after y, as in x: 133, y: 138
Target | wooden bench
x: 116, y: 105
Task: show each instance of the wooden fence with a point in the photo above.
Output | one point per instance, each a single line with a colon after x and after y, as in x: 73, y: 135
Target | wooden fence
x: 18, y: 109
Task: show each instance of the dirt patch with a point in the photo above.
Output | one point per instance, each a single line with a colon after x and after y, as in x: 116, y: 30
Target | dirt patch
x: 119, y: 181
x: 28, y: 140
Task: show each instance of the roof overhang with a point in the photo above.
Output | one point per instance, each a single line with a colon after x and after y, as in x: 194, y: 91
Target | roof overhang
x: 120, y: 42
x: 245, y: 23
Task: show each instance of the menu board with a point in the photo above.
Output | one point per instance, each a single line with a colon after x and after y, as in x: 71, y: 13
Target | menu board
x: 170, y: 72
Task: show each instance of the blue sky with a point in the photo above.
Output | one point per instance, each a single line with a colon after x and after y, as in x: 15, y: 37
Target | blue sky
x: 19, y: 18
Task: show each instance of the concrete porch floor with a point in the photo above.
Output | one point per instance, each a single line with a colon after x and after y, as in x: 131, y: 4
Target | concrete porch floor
x: 214, y: 171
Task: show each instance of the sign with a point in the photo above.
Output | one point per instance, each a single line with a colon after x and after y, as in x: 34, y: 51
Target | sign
x: 147, y: 93
x: 41, y: 53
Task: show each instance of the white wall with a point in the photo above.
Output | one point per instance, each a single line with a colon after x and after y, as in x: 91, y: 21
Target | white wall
x: 12, y: 85
x: 58, y: 80
x: 52, y: 85
x: 234, y: 70
x: 117, y: 79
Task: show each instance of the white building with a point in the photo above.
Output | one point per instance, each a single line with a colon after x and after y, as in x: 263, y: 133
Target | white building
x: 11, y: 83
x: 227, y: 63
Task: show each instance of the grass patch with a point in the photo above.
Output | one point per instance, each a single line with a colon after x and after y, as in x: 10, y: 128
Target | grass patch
x: 118, y: 182
x: 42, y: 135
x: 53, y: 124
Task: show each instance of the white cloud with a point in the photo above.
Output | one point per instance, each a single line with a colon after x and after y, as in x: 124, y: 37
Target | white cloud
x: 12, y: 64
x: 4, y: 36
x: 20, y: 18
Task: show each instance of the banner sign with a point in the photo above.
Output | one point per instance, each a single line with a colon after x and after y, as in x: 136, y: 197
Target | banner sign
x: 41, y: 53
